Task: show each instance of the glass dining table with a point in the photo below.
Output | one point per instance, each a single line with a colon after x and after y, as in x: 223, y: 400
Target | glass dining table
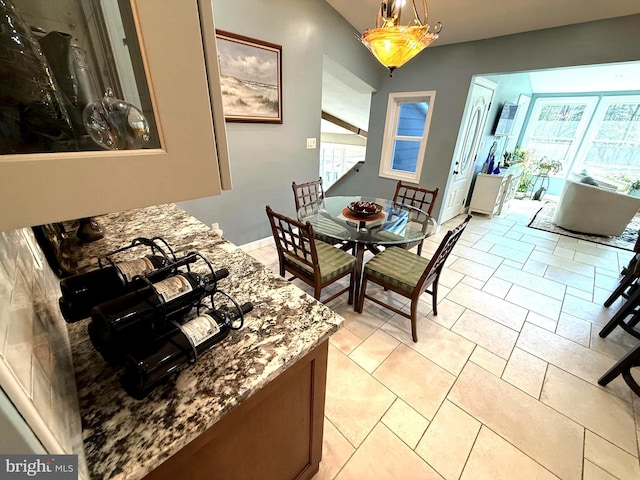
x: 392, y: 224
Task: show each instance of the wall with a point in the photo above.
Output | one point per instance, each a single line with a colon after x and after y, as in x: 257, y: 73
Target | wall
x: 449, y: 69
x: 36, y: 369
x: 266, y: 158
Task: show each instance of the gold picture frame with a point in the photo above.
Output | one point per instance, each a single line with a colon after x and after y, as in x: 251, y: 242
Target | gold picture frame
x: 251, y: 78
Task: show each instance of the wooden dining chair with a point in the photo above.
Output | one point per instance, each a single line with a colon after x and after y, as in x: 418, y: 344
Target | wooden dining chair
x: 418, y: 197
x: 314, y: 262
x: 308, y: 196
x: 409, y: 275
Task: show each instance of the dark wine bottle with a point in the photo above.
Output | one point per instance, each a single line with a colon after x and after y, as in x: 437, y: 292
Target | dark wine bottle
x: 82, y: 292
x: 153, y: 364
x: 120, y: 325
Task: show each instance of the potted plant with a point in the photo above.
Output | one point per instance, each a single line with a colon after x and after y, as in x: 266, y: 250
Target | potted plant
x: 546, y: 166
x: 634, y: 191
x: 523, y: 159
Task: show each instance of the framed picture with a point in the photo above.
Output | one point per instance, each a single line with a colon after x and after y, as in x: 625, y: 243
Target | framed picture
x: 251, y: 78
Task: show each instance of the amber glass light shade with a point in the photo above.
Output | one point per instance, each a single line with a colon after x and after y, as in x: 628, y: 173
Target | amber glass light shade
x: 393, y: 43
x: 395, y: 46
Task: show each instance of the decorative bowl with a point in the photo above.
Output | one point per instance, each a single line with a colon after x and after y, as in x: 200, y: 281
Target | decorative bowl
x: 364, y: 209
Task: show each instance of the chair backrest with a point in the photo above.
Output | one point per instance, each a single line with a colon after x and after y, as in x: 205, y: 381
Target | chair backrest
x: 442, y: 253
x: 308, y: 195
x: 294, y: 240
x: 415, y: 196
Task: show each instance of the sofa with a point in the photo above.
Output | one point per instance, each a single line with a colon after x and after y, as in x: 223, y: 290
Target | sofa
x: 594, y: 210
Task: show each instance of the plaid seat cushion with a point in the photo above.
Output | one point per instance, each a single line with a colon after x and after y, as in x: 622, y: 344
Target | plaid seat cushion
x: 397, y: 267
x: 327, y: 225
x: 333, y: 261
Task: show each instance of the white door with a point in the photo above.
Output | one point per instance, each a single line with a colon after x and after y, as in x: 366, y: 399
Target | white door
x: 473, y: 123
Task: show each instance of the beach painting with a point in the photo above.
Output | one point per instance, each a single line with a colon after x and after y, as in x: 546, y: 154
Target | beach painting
x: 251, y: 78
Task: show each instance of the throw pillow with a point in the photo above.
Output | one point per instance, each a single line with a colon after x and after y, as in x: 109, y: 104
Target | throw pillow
x: 589, y: 181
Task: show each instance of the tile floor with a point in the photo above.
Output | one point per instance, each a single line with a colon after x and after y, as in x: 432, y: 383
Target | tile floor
x: 502, y: 383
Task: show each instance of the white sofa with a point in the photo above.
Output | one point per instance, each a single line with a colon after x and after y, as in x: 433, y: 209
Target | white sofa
x: 590, y: 209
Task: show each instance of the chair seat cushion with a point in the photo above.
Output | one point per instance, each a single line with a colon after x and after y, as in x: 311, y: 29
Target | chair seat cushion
x: 332, y: 260
x: 398, y: 267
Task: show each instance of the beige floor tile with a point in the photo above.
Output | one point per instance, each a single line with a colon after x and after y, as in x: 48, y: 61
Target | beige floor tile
x: 531, y: 281
x: 607, y: 282
x: 525, y: 372
x: 542, y: 321
x: 355, y: 401
x: 448, y: 440
x: 542, y: 433
x: 581, y: 282
x: 345, y: 340
x: 610, y: 458
x: 487, y: 360
x: 450, y: 278
x: 576, y: 292
x: 600, y: 295
x: 474, y: 255
x: 591, y: 406
x: 472, y: 269
x: 593, y: 472
x: 488, y: 334
x: 615, y: 345
x: 448, y: 313
x: 535, y: 267
x: 509, y: 253
x: 497, y: 287
x: 538, y: 241
x: 574, y: 329
x: 608, y: 261
x: 492, y: 307
x: 513, y: 264
x: 405, y: 422
x: 336, y: 450
x: 439, y: 344
x: 503, y: 241
x: 534, y: 301
x: 493, y: 458
x: 383, y: 456
x: 580, y: 361
x: 586, y: 310
x: 365, y: 323
x: 374, y: 350
x: 416, y: 380
x: 565, y: 263
x: 473, y: 282
x: 564, y: 252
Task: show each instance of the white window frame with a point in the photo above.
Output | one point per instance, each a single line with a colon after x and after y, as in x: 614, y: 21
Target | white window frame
x: 590, y: 103
x: 596, y: 122
x: 391, y: 127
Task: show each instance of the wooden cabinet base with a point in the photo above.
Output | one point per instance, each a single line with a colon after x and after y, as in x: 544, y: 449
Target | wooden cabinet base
x: 275, y: 434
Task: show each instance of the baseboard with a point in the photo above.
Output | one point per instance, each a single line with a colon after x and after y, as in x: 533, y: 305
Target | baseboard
x: 256, y: 244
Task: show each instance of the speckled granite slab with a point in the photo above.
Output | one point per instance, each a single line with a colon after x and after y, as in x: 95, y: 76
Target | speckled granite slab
x: 126, y: 438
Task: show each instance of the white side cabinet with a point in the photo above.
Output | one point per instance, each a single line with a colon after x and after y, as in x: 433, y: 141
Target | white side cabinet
x: 492, y: 193
x: 488, y: 193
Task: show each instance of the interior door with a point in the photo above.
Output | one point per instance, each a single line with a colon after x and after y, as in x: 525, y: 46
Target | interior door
x: 473, y: 123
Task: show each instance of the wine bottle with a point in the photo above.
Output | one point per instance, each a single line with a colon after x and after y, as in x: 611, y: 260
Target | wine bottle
x: 124, y: 323
x: 82, y: 292
x: 151, y: 365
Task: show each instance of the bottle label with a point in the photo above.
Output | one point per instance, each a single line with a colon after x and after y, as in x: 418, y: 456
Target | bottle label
x: 200, y: 329
x: 173, y: 287
x: 132, y: 268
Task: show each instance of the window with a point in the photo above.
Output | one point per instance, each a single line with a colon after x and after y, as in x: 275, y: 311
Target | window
x: 612, y: 143
x: 598, y: 133
x: 556, y: 127
x: 405, y: 138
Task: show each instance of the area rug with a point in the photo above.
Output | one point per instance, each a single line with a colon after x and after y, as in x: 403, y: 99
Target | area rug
x: 542, y: 221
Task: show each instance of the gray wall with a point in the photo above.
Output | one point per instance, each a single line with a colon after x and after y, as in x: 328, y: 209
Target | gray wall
x: 449, y: 69
x: 266, y: 158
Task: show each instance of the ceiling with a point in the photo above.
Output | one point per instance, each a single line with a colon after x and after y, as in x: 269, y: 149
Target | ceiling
x: 469, y: 20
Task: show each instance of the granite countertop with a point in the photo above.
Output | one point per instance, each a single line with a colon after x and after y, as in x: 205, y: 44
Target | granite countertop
x: 126, y: 438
